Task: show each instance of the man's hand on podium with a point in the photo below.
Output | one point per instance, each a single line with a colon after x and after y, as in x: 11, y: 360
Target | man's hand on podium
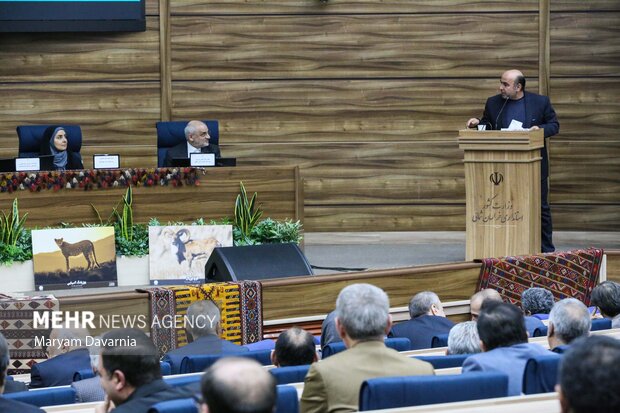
x: 473, y: 122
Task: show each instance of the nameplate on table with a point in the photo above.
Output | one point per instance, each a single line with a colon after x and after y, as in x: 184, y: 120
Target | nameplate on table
x: 27, y: 164
x: 106, y: 161
x: 201, y: 159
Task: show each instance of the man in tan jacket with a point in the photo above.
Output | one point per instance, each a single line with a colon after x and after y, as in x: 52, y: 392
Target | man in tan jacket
x: 362, y: 320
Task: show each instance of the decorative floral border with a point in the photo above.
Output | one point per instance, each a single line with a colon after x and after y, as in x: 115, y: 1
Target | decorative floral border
x: 90, y: 179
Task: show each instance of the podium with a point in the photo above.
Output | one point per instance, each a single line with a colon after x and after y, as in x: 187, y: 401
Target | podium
x: 502, y: 187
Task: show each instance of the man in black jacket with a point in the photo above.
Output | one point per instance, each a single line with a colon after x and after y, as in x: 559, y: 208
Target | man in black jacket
x: 197, y: 135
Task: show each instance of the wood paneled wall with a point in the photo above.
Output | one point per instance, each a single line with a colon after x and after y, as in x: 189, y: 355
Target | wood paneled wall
x: 365, y: 96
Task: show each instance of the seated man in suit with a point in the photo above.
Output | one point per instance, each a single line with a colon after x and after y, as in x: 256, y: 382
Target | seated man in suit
x: 90, y: 390
x: 606, y: 296
x: 362, y: 320
x: 203, y: 323
x: 537, y: 301
x: 197, y: 135
x: 569, y: 319
x: 130, y: 374
x: 427, y: 321
x: 67, y: 355
x: 238, y: 385
x: 504, y: 344
x: 464, y: 339
x: 7, y: 405
x: 588, y: 378
x: 294, y: 347
x: 329, y: 334
x: 476, y: 300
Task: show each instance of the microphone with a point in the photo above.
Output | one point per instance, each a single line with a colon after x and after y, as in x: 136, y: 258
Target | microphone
x: 500, y: 112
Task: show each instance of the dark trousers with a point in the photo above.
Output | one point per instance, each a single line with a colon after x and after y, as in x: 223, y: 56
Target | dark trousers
x: 546, y: 225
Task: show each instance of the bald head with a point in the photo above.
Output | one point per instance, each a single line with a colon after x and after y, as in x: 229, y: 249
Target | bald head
x: 512, y: 84
x: 238, y: 385
x: 481, y: 296
x: 294, y: 347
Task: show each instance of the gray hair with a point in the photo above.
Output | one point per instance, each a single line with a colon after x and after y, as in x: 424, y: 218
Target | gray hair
x: 363, y: 311
x: 203, y: 318
x: 191, y: 128
x: 464, y: 339
x: 571, y: 319
x: 421, y: 303
x: 537, y: 301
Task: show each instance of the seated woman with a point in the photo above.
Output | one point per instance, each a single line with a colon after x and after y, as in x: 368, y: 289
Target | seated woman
x: 55, y: 143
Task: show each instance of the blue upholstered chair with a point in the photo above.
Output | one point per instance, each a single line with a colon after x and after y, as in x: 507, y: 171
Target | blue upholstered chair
x: 170, y: 134
x: 182, y: 380
x: 196, y: 363
x: 83, y: 374
x: 445, y: 362
x: 540, y: 331
x: 188, y: 405
x: 541, y: 317
x: 290, y: 374
x: 541, y: 374
x: 392, y: 392
x: 30, y: 139
x: 397, y: 343
x: 165, y: 367
x: 440, y: 340
x: 288, y: 401
x: 600, y: 324
x: 51, y: 396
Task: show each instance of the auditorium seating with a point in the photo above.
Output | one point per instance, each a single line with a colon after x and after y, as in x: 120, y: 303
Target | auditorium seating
x: 392, y: 392
x: 397, y: 343
x: 598, y: 324
x: 290, y: 374
x: 196, y: 363
x: 30, y: 139
x: 88, y: 373
x: 445, y: 362
x: 51, y: 396
x: 440, y: 340
x: 170, y: 134
x: 541, y: 374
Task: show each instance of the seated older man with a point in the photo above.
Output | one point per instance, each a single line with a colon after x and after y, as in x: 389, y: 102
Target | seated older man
x: 569, y: 319
x: 294, y: 347
x: 464, y: 339
x: 536, y: 301
x: 606, y: 296
x: 197, y: 141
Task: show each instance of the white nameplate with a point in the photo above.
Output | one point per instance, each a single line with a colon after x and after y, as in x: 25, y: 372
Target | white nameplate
x: 106, y: 161
x: 27, y: 164
x: 202, y: 159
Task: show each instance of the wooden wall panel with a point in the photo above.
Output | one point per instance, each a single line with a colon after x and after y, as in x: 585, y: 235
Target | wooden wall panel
x: 152, y: 7
x: 53, y: 57
x: 580, y: 5
x: 140, y: 156
x: 347, y: 6
x: 346, y: 46
x: 585, y: 44
x: 109, y: 113
x: 584, y: 217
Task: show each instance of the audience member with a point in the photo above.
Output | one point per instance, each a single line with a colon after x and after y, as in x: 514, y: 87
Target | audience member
x: 55, y: 142
x: 569, y: 319
x: 203, y: 325
x: 66, y: 355
x: 476, y: 300
x: 130, y: 373
x: 197, y: 141
x: 362, y: 320
x: 427, y: 320
x: 329, y: 333
x: 464, y: 339
x: 294, y: 347
x: 588, y: 378
x: 536, y: 301
x: 238, y: 385
x: 504, y: 344
x: 90, y: 390
x: 606, y: 296
x: 7, y: 405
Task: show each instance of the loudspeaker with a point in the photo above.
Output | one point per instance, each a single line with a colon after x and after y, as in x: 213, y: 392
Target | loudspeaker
x: 256, y: 262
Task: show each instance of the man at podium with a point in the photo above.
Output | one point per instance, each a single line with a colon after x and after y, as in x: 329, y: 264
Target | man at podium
x: 514, y: 108
x: 197, y: 135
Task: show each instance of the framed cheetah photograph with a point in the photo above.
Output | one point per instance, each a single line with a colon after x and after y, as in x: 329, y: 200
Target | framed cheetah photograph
x: 68, y: 258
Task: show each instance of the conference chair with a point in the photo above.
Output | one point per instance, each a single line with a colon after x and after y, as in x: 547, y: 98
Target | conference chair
x: 30, y: 137
x: 397, y: 343
x: 290, y: 374
x: 51, y: 396
x: 445, y: 362
x: 196, y: 363
x: 541, y: 374
x: 170, y: 134
x: 88, y: 373
x: 392, y: 392
x: 440, y: 340
x: 597, y: 324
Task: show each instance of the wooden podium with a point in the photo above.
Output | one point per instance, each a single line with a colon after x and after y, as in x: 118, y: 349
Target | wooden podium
x: 502, y: 186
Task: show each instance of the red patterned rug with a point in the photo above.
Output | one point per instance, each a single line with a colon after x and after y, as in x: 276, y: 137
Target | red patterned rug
x: 566, y: 274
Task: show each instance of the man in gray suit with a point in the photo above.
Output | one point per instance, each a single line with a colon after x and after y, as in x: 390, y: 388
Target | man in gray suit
x: 362, y: 320
x: 90, y: 390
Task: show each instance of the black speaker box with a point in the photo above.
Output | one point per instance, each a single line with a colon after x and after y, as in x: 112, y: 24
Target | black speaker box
x: 256, y: 262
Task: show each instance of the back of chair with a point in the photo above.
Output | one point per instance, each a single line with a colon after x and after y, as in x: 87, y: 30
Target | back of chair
x: 165, y: 367
x: 332, y: 348
x: 52, y: 396
x: 392, y: 392
x: 290, y: 374
x: 83, y: 374
x: 30, y: 137
x: 541, y: 374
x: 440, y: 340
x: 600, y: 324
x: 445, y: 362
x: 198, y: 363
x: 175, y: 406
x: 540, y: 331
x: 288, y: 401
x: 170, y: 134
x: 182, y: 380
x: 398, y: 343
